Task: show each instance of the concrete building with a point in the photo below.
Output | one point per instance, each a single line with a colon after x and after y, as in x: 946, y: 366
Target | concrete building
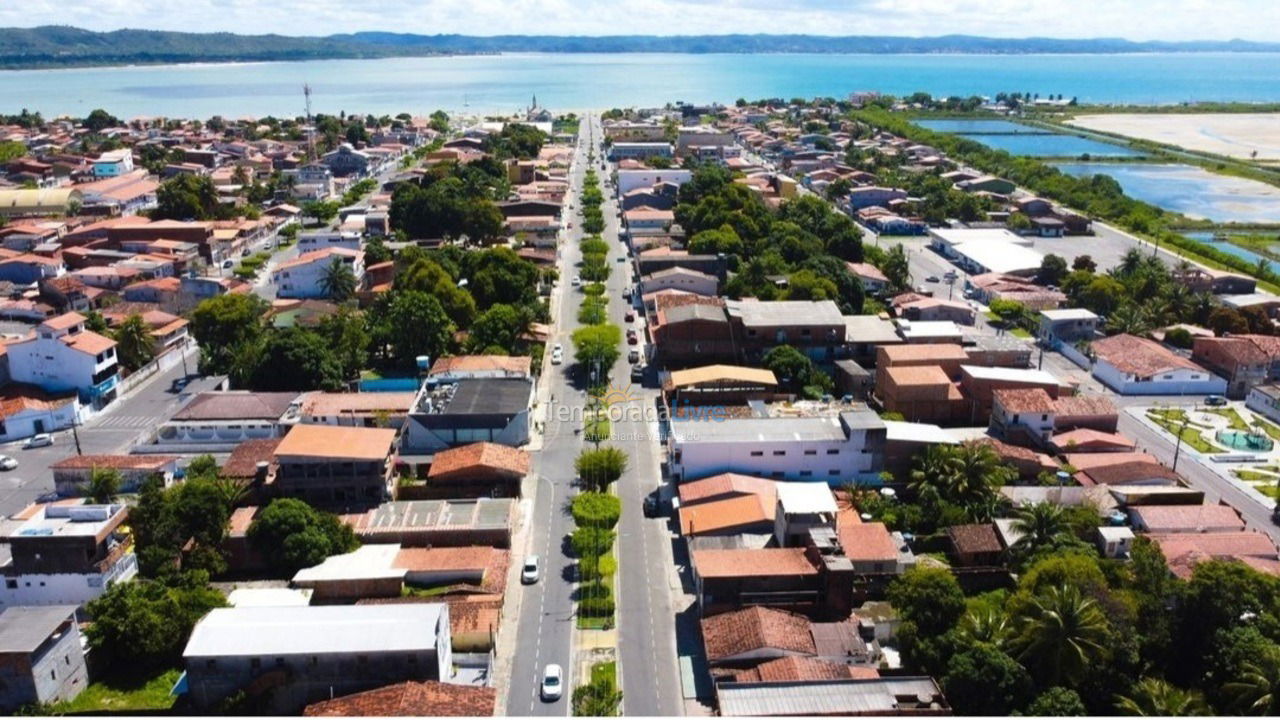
x: 62, y: 356
x: 471, y: 410
x: 41, y: 658
x: 1245, y: 361
x: 292, y: 656
x: 639, y: 151
x: 113, y: 163
x: 336, y: 466
x: 304, y: 276
x: 71, y: 476
x: 835, y: 449
x: 66, y: 554
x: 1067, y: 325
x: 1136, y: 366
x: 324, y: 239
x: 679, y: 278
x: 228, y: 418
x: 1265, y: 400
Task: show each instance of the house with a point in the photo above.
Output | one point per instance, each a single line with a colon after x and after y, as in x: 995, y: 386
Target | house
x: 1114, y: 542
x: 480, y: 409
x: 718, y: 385
x: 814, y: 327
x: 1067, y: 325
x: 324, y: 239
x: 898, y: 695
x: 987, y: 184
x: 62, y: 356
x: 927, y: 309
x: 629, y: 180
x: 747, y: 638
x: 834, y: 449
x: 1183, y: 551
x: 411, y: 698
x: 29, y: 269
x: 356, y: 409
x: 312, y: 653
x: 480, y: 469
x: 230, y: 417
x: 346, y: 161
x: 1203, y: 518
x: 436, y: 523
x: 459, y: 367
x: 801, y: 509
x: 639, y: 151
x: 873, y: 551
x: 1265, y: 400
x: 66, y: 553
x: 1136, y: 366
x: 1244, y: 360
x: 920, y: 393
x: 336, y: 466
x: 727, y: 486
x: 369, y: 571
x: 678, y: 278
x: 745, y: 514
x: 694, y: 332
x: 306, y: 275
x: 113, y: 163
x: 647, y: 218
x: 874, y: 282
x: 26, y: 410
x: 863, y: 197
x: 975, y: 545
x: 71, y: 475
x: 731, y: 578
x: 41, y: 657
x: 1023, y: 416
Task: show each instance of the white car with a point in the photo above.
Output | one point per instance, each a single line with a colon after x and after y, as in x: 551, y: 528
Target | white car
x: 557, y: 354
x: 552, y: 682
x: 529, y: 573
x: 8, y: 463
x: 39, y: 440
x: 576, y: 281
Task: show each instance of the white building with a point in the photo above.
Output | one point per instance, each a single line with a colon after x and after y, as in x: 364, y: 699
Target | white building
x: 1067, y: 324
x: 214, y: 419
x: 312, y: 241
x: 303, y: 277
x: 679, y: 278
x: 629, y: 180
x: 62, y: 356
x: 1265, y: 400
x: 835, y: 449
x: 27, y: 412
x: 319, y: 651
x: 66, y: 554
x: 640, y: 150
x: 1137, y: 366
x: 113, y: 163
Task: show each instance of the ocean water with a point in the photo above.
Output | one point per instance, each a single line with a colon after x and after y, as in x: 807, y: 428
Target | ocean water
x: 502, y: 83
x: 1190, y: 190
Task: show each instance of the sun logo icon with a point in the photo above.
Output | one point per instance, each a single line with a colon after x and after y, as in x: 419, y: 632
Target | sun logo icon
x: 616, y: 394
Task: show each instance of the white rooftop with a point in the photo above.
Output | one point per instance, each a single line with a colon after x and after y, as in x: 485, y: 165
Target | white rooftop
x: 368, y: 562
x: 1000, y: 256
x: 1069, y: 314
x: 955, y: 236
x: 1024, y: 375
x: 918, y: 432
x: 806, y: 498
x: 269, y: 597
x: 269, y: 631
x: 928, y: 329
x: 1239, y: 301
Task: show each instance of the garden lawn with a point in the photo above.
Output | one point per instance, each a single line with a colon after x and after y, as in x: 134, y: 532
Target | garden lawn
x: 1190, y: 435
x: 123, y: 696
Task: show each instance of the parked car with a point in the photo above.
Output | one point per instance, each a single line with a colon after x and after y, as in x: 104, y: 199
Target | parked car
x: 630, y: 316
x: 228, y: 264
x: 8, y: 463
x: 530, y: 573
x: 38, y: 440
x: 651, y: 504
x: 633, y: 356
x: 552, y: 683
x: 576, y: 281
x: 1215, y: 401
x: 931, y: 278
x: 637, y: 373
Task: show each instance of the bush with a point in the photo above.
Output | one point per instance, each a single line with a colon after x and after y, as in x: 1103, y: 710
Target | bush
x: 595, y: 590
x: 245, y: 273
x: 591, y: 541
x: 1179, y: 338
x: 597, y: 567
x: 596, y: 509
x: 593, y: 290
x: 596, y: 607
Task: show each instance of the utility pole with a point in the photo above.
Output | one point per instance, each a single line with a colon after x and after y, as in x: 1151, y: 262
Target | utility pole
x: 1177, y: 448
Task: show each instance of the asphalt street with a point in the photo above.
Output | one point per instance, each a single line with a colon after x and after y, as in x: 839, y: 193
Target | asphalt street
x: 113, y: 431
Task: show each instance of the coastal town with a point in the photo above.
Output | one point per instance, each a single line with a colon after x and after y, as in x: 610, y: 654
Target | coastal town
x: 780, y: 407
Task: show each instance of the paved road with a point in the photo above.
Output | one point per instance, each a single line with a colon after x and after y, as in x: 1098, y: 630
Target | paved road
x: 546, y: 621
x: 116, y: 430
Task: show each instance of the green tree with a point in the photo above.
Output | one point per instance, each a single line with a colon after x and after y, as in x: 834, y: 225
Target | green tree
x: 591, y: 540
x: 104, y: 484
x: 1062, y: 635
x: 187, y: 197
x: 292, y: 535
x: 1153, y: 697
x: 1257, y: 691
x: 1057, y: 702
x: 145, y: 624
x: 959, y: 474
x: 896, y: 269
x: 600, y: 467
x: 324, y: 211
x: 439, y: 121
x: 296, y: 359
x: 596, y: 699
x: 597, y: 346
x: 983, y: 680
x: 1039, y: 525
x: 338, y: 282
x: 1053, y: 268
x: 134, y: 343
x: 376, y: 251
x: 99, y: 120
x: 222, y: 324
x: 347, y: 335
x: 411, y: 323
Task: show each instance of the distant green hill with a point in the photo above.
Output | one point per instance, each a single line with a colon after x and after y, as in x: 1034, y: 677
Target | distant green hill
x: 58, y: 46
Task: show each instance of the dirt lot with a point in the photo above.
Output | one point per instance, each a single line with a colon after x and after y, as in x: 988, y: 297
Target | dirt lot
x: 1232, y: 134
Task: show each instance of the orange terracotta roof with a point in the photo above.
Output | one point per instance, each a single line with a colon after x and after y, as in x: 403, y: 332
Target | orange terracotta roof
x: 117, y: 462
x: 479, y: 456
x: 978, y: 538
x: 1084, y: 437
x: 89, y: 342
x: 1034, y: 400
x: 1139, y: 356
x: 244, y: 459
x: 482, y: 363
x: 865, y: 542
x: 1190, y: 518
x: 753, y: 629
x: 476, y: 557
x: 326, y: 403
x: 725, y: 484
x: 406, y: 699
x: 762, y: 562
x: 1077, y: 405
x: 795, y: 668
x: 64, y: 321
x: 338, y: 443
x: 731, y: 513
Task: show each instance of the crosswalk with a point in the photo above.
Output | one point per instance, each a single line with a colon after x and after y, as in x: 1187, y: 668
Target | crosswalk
x: 122, y: 422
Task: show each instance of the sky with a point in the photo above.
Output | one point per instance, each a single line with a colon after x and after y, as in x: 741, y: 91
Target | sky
x: 1131, y: 19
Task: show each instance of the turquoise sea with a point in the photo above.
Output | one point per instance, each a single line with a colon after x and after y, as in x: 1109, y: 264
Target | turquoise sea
x: 493, y: 83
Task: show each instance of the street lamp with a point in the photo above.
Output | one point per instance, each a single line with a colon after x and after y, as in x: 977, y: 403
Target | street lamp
x: 1177, y: 448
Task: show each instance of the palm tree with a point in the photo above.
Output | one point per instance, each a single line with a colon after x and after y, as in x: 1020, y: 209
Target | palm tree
x: 1039, y: 525
x: 338, y: 281
x: 104, y: 484
x: 1129, y: 263
x: 961, y: 474
x: 1063, y: 634
x: 1129, y: 318
x: 1257, y: 692
x: 987, y: 625
x: 1153, y: 697
x: 134, y: 342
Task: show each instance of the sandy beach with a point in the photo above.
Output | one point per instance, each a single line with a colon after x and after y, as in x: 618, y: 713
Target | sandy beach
x: 1232, y: 134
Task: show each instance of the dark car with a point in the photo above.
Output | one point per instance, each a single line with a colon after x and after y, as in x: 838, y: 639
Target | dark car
x: 651, y: 504
x: 1215, y: 401
x: 637, y: 373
